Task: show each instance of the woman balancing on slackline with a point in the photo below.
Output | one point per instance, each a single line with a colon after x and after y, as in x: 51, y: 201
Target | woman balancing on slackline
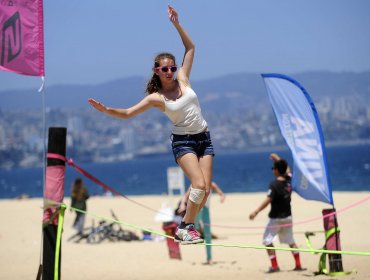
x: 191, y: 141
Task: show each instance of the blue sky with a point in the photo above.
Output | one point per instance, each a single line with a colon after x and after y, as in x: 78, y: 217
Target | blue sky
x: 91, y: 42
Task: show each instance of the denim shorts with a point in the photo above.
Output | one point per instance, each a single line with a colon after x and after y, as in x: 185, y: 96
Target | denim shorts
x: 199, y: 144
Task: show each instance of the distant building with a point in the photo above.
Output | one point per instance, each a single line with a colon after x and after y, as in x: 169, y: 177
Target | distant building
x: 368, y: 113
x: 75, y: 125
x: 128, y: 138
x: 2, y: 137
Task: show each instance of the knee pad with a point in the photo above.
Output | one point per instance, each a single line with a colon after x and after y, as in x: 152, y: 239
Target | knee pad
x: 196, y: 195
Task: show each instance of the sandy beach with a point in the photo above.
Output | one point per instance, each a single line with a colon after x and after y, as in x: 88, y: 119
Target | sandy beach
x: 20, y: 238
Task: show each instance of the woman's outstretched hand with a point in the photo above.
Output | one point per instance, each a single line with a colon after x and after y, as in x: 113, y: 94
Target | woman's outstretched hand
x: 172, y: 14
x: 97, y: 105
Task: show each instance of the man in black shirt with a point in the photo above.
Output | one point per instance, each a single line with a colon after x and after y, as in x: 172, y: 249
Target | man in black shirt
x: 280, y: 215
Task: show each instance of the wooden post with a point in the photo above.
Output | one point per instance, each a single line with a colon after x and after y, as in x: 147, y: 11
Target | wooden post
x: 54, y: 190
x: 332, y: 241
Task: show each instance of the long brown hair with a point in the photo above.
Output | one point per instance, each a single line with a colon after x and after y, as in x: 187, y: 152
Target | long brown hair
x: 78, y: 189
x: 154, y: 84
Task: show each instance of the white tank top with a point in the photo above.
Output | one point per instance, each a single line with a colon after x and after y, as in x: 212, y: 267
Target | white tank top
x: 185, y: 113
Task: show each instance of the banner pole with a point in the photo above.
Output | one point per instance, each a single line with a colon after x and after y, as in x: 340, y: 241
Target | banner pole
x: 43, y: 133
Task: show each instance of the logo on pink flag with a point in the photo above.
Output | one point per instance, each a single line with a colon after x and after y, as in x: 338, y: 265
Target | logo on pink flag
x: 22, y: 37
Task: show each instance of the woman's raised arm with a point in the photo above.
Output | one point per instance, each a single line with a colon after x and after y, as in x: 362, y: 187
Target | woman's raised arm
x: 187, y: 62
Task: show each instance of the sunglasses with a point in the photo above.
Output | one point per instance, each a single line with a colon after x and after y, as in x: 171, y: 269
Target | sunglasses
x: 165, y: 69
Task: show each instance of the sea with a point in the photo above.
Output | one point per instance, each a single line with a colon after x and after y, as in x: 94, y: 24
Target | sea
x: 237, y: 172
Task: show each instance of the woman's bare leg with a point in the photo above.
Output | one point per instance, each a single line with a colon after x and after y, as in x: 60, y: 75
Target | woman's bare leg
x: 192, y: 168
x: 206, y: 165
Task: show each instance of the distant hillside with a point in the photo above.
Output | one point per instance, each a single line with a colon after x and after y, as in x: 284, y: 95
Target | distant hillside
x: 226, y: 92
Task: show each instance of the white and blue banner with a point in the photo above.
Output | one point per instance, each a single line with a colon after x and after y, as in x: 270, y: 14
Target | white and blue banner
x: 300, y: 126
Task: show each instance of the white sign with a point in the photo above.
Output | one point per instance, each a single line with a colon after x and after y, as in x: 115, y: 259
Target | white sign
x: 175, y: 180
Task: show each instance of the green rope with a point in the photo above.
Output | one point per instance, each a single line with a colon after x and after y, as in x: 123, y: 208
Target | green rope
x: 331, y: 231
x: 58, y: 241
x: 229, y: 245
x: 322, y: 262
x: 294, y: 249
x: 308, y: 242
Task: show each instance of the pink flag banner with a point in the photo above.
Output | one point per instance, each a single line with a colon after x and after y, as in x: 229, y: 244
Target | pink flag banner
x: 22, y: 37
